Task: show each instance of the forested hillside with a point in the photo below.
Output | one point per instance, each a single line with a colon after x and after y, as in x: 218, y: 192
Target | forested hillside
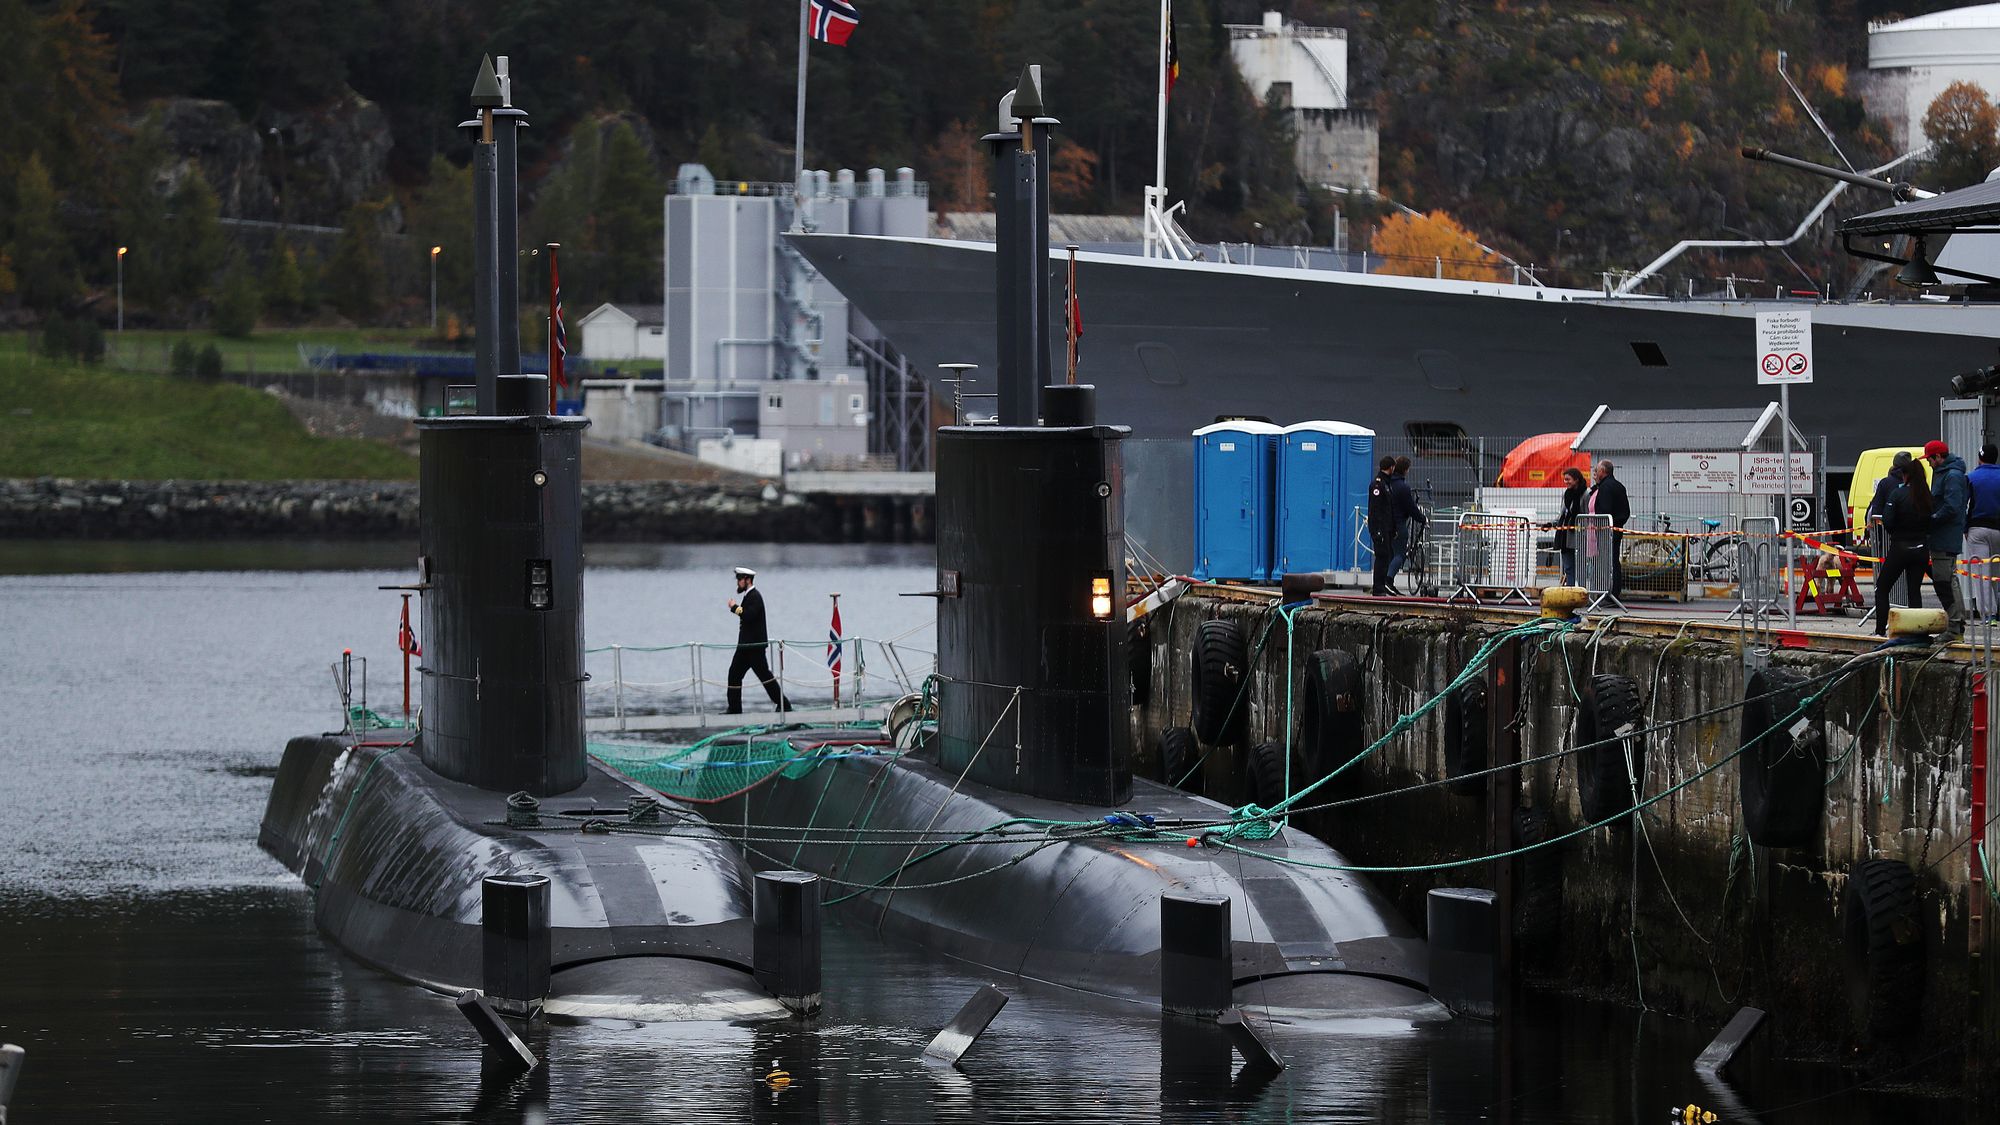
x: 1587, y: 135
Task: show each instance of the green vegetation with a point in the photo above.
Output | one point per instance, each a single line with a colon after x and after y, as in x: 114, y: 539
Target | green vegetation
x: 149, y: 350
x: 68, y: 421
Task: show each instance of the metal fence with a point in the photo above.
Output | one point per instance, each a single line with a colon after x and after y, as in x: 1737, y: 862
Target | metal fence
x: 690, y: 679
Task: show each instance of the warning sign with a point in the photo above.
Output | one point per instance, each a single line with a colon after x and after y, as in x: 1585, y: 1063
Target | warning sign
x: 1784, y: 346
x: 1704, y: 472
x: 1764, y: 474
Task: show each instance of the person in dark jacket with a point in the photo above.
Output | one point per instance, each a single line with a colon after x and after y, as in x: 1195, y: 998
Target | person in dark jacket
x: 1982, y: 532
x: 1946, y: 538
x: 1906, y: 522
x: 1607, y: 498
x: 1573, y: 492
x: 1406, y: 514
x: 752, y: 637
x: 1382, y: 523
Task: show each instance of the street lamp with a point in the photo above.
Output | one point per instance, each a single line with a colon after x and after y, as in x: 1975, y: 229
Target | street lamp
x: 121, y: 290
x: 434, y: 288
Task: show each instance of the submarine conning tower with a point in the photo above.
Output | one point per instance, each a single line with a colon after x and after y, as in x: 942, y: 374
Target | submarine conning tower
x: 1033, y: 693
x: 500, y: 528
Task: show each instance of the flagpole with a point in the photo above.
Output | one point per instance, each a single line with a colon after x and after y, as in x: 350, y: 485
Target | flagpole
x: 799, y: 122
x: 1069, y: 311
x: 1156, y: 199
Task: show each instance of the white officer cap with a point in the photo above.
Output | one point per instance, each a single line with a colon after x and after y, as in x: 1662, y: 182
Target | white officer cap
x: 745, y: 572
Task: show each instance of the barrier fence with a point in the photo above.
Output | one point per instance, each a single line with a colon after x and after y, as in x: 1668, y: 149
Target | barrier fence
x: 692, y: 679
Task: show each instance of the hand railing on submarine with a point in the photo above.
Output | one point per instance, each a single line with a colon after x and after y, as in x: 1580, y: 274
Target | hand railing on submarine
x: 649, y: 680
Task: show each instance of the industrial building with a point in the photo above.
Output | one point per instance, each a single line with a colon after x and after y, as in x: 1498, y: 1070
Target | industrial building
x: 1305, y: 69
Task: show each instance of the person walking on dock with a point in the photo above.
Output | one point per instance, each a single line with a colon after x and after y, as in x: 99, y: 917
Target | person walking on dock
x: 1982, y: 532
x: 1381, y: 523
x: 1407, y: 516
x: 1946, y: 540
x: 1607, y: 498
x: 752, y: 638
x: 1906, y: 522
x: 1565, y: 525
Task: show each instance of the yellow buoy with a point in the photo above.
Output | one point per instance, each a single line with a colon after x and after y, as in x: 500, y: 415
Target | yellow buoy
x: 779, y: 1078
x: 1907, y: 622
x: 1692, y: 1114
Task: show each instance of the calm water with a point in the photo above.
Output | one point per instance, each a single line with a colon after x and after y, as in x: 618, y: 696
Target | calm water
x: 158, y: 967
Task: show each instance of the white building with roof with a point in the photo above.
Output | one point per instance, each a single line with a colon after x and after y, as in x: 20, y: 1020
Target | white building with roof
x: 1304, y: 69
x: 614, y: 332
x: 1911, y: 61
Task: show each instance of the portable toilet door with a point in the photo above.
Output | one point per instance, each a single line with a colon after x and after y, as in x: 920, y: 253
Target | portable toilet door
x: 1323, y: 474
x: 1233, y: 471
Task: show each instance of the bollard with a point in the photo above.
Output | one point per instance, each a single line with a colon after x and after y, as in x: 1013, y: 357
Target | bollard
x: 1464, y: 939
x: 11, y: 1058
x: 785, y: 942
x: 1196, y: 964
x: 1295, y: 588
x: 514, y: 920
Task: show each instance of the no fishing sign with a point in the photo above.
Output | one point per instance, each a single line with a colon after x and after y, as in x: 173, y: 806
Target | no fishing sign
x: 1784, y: 347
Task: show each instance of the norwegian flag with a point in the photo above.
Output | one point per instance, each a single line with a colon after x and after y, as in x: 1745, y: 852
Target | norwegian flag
x: 406, y: 638
x: 833, y: 649
x: 832, y: 20
x: 558, y: 338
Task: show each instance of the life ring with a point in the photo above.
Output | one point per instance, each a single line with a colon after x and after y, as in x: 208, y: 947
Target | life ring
x: 1781, y: 773
x: 1330, y: 711
x: 1221, y: 683
x: 1180, y: 759
x: 1465, y: 737
x: 1139, y: 658
x: 1609, y: 710
x: 1884, y: 947
x: 1267, y: 773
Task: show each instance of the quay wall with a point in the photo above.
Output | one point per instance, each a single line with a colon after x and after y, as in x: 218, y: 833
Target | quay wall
x: 1682, y: 908
x: 651, y: 511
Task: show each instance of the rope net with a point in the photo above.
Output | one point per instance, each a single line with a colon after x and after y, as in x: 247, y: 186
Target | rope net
x: 734, y: 761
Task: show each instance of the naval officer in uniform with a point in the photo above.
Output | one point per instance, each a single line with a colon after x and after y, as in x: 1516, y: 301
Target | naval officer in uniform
x: 752, y: 637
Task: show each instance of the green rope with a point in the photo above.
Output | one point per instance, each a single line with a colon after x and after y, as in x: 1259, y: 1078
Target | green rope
x: 1222, y: 839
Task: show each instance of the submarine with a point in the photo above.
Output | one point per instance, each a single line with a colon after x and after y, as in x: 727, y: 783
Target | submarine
x: 1015, y: 835
x: 470, y: 849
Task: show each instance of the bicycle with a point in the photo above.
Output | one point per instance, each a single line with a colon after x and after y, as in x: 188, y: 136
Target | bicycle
x: 1716, y: 559
x: 1417, y: 575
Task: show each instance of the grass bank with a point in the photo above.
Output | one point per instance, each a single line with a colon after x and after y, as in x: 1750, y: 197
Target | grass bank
x: 106, y: 424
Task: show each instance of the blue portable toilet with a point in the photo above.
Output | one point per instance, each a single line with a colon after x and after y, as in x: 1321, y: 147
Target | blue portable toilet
x: 1234, y: 472
x: 1324, y: 469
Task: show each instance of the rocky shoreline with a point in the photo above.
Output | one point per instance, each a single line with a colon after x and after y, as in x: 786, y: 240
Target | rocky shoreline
x: 652, y: 511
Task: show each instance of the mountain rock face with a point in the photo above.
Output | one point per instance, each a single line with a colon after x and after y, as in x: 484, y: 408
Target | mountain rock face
x: 301, y: 166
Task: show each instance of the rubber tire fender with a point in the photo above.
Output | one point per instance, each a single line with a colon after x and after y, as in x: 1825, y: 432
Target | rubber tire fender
x: 1465, y: 737
x: 1139, y: 657
x: 1221, y: 683
x: 1610, y: 705
x: 1884, y: 950
x: 1266, y: 769
x: 1179, y: 755
x: 1538, y: 895
x: 1781, y: 774
x: 1330, y: 711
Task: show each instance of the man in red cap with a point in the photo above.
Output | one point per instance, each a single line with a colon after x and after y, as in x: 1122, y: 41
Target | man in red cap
x: 1949, y: 493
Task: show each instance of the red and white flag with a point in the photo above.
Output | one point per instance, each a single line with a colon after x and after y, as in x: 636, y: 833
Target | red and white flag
x: 832, y: 21
x: 558, y: 338
x: 833, y: 649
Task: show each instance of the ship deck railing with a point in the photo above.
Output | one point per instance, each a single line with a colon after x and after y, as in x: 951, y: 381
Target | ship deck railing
x: 684, y: 686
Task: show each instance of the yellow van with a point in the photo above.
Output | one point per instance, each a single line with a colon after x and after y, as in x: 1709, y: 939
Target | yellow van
x: 1872, y: 466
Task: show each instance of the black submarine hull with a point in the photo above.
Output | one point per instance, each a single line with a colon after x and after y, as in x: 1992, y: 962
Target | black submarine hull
x: 641, y: 928
x: 1082, y: 913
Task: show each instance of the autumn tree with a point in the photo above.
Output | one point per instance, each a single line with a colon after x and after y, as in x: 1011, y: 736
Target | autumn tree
x: 1964, y: 131
x: 956, y: 165
x: 1432, y: 245
x: 1072, y: 174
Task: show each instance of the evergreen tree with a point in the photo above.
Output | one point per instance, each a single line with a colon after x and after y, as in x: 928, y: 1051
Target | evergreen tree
x: 191, y: 239
x: 139, y: 219
x: 628, y: 214
x: 356, y: 281
x: 441, y: 215
x: 44, y: 264
x: 237, y: 303
x: 284, y: 281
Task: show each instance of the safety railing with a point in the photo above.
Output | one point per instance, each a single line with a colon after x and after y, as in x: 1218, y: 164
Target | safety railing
x: 631, y: 682
x: 1493, y: 554
x: 1596, y: 547
x: 1760, y: 564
